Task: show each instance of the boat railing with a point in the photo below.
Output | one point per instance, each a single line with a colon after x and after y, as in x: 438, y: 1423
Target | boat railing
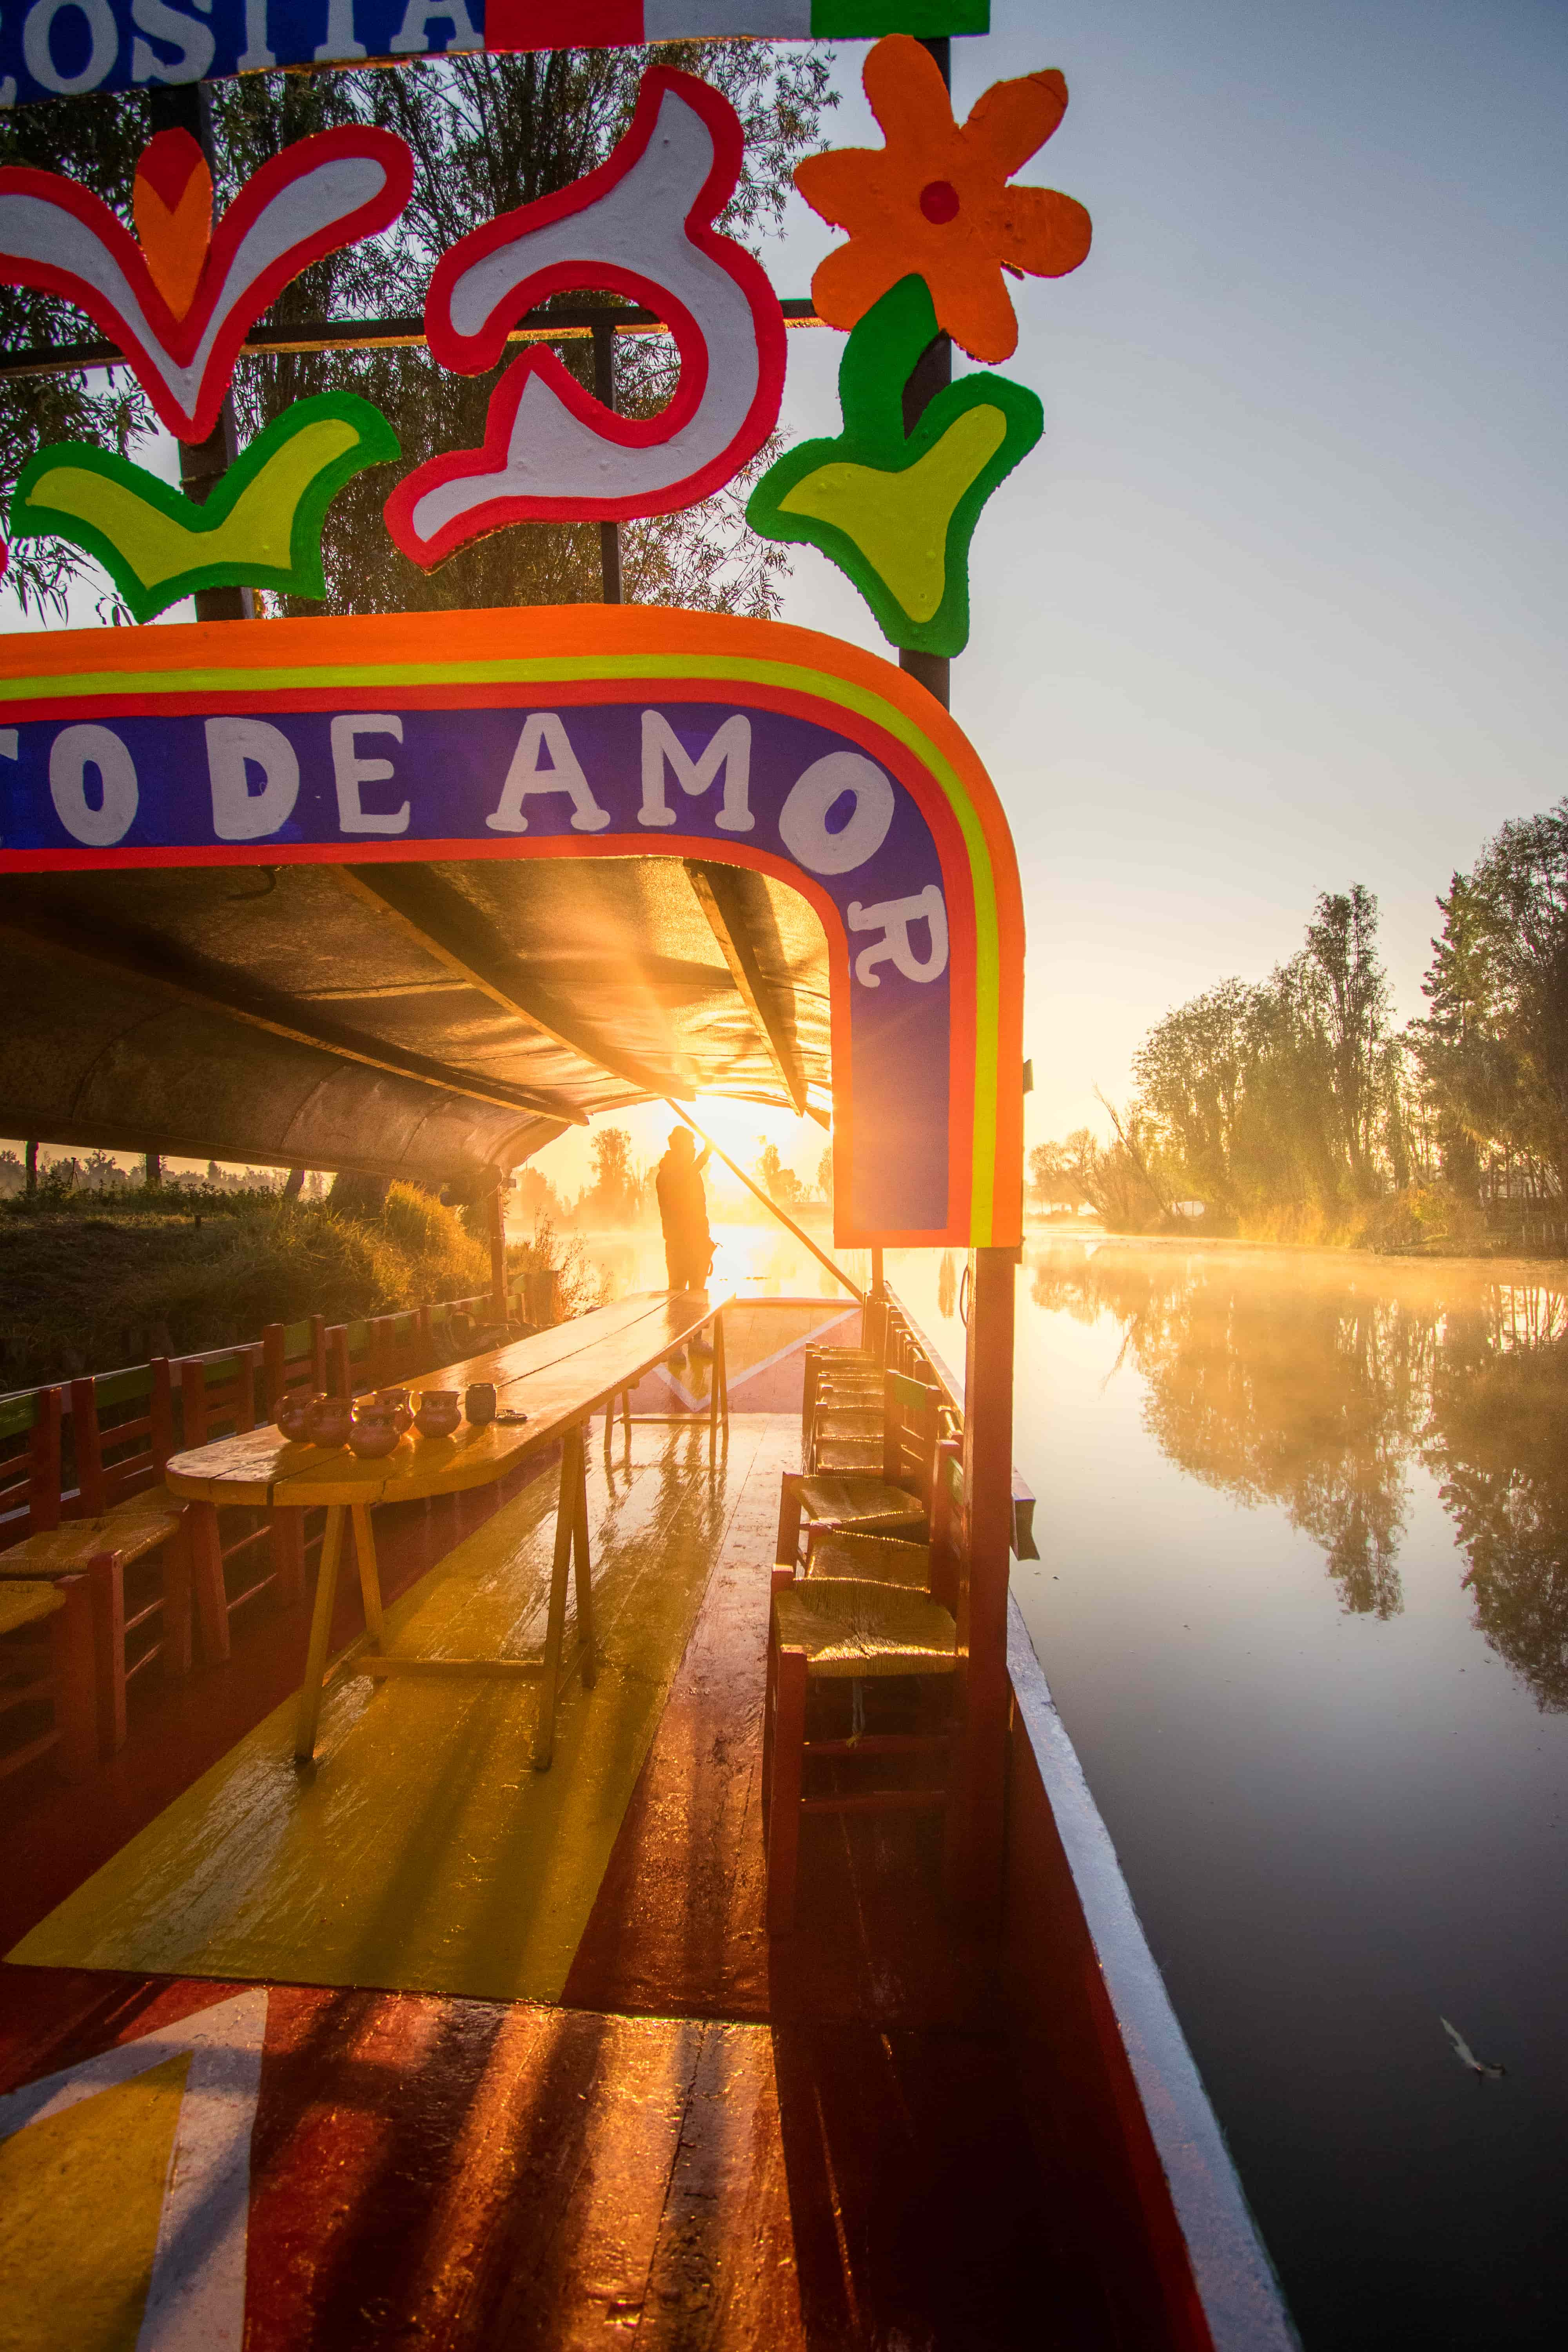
x: 360, y: 1352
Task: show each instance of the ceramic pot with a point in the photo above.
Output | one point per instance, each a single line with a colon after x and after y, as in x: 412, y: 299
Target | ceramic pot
x: 293, y: 1415
x: 394, y: 1404
x: 373, y: 1435
x: 479, y: 1402
x: 440, y: 1411
x: 329, y: 1421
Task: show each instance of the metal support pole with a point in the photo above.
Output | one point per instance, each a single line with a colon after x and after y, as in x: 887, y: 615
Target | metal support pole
x: 187, y: 106
x: 605, y: 390
x: 975, y: 1813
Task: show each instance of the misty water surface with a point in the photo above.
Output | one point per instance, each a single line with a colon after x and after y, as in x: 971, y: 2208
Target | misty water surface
x: 1303, y: 1603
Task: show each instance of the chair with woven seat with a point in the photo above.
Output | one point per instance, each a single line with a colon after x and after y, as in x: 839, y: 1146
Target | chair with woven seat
x: 845, y: 1436
x: 895, y: 1503
x: 873, y: 1559
x: 858, y: 1368
x: 46, y: 1660
x: 128, y: 1537
x: 870, y: 1560
x: 101, y: 1553
x: 836, y: 1630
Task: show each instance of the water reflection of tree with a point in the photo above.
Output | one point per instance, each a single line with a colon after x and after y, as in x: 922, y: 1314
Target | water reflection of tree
x: 1295, y: 1384
x: 1296, y: 1392
x: 1495, y: 1440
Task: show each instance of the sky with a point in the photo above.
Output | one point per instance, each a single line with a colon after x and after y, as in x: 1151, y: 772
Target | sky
x: 1276, y: 603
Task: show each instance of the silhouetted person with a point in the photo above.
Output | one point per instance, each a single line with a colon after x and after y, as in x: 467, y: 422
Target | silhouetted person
x: 683, y: 1213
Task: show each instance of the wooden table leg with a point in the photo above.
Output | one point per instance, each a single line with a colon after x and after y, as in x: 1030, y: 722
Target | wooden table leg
x: 369, y: 1579
x: 585, y: 1573
x: 206, y: 1572
x: 715, y: 1363
x: 566, y: 1526
x: 721, y: 1373
x: 321, y: 1636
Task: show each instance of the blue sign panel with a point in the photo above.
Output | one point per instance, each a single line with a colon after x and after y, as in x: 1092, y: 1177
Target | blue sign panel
x: 66, y: 49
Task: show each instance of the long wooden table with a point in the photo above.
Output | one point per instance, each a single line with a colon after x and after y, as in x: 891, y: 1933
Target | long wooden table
x: 559, y: 1378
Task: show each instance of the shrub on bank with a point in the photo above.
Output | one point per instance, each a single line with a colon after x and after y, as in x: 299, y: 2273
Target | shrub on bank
x: 89, y: 1282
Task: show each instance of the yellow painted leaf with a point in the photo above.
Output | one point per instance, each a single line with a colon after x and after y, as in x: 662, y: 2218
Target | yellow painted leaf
x: 160, y: 546
x: 900, y: 520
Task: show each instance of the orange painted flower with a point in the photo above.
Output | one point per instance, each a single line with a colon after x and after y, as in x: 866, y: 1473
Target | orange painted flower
x: 936, y: 200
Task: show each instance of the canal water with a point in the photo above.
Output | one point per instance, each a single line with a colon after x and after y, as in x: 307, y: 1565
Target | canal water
x: 1303, y: 1603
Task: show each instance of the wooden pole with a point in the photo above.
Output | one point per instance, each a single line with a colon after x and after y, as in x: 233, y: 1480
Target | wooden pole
x: 976, y: 1815
x: 496, y: 1208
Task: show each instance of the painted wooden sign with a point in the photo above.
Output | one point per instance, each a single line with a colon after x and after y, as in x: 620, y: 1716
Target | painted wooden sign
x: 587, y: 731
x: 640, y: 226
x: 64, y: 49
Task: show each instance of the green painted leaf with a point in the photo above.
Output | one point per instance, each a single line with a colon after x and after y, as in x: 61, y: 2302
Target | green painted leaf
x: 897, y: 512
x: 261, y: 524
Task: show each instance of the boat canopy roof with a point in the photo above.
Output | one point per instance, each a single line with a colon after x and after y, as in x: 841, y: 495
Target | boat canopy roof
x: 435, y: 1021
x: 408, y: 894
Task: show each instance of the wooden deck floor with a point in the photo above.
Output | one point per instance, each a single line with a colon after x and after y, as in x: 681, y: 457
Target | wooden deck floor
x: 703, y: 2141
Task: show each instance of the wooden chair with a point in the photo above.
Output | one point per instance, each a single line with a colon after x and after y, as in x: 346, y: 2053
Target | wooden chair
x: 30, y: 1474
x: 305, y: 1368
x: 887, y: 1559
x: 47, y: 1659
x: 834, y: 1629
x: 845, y: 1436
x: 898, y: 1502
x: 127, y: 1538
x: 860, y: 1367
x: 217, y: 1399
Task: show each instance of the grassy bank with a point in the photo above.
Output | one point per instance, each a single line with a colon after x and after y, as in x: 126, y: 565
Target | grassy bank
x: 92, y: 1282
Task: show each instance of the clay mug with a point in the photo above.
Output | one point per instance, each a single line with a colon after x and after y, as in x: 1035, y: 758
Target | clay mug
x: 292, y: 1414
x: 329, y: 1421
x: 394, y: 1404
x: 479, y: 1401
x: 374, y: 1434
x: 439, y: 1412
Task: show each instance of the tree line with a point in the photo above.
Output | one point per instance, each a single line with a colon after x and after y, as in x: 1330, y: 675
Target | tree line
x: 1295, y: 1107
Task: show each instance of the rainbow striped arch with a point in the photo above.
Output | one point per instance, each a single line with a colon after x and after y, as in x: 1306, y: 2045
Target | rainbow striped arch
x: 587, y: 731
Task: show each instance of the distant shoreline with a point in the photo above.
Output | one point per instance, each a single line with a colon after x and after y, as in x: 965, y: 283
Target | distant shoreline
x: 1089, y: 1229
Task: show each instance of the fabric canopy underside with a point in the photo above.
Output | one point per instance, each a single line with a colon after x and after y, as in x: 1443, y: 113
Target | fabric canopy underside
x: 434, y: 1022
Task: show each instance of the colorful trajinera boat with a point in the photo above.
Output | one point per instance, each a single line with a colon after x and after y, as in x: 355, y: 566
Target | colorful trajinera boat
x: 655, y: 1899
